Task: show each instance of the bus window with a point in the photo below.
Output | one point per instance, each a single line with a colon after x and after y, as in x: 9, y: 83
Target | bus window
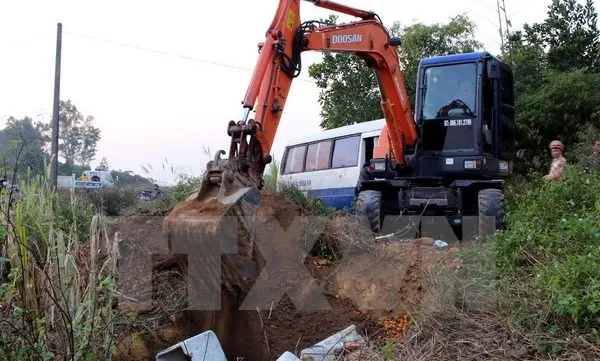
x: 345, y: 152
x: 317, y: 156
x: 294, y: 161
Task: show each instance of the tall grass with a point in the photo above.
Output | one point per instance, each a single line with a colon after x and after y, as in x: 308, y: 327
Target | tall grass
x: 57, y: 300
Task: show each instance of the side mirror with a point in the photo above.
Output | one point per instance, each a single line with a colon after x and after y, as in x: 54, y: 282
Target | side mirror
x: 395, y: 41
x: 493, y: 69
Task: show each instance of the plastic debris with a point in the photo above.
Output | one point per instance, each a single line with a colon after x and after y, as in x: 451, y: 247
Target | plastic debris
x: 440, y: 244
x: 328, y: 349
x: 288, y: 356
x: 205, y: 346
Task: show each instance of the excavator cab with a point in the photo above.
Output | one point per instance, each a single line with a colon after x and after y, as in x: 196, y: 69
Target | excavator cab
x: 465, y: 114
x: 466, y: 117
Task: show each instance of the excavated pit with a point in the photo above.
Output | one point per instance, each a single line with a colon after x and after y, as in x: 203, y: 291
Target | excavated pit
x: 375, y: 281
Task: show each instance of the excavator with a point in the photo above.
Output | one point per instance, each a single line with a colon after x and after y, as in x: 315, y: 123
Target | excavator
x: 434, y: 159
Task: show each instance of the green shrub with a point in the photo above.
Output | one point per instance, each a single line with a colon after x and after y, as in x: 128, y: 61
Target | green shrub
x: 114, y: 201
x: 549, y: 258
x: 176, y: 194
x: 185, y: 185
x: 312, y: 205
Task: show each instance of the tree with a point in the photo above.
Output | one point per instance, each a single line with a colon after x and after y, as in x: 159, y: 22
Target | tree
x: 556, y: 76
x: 570, y: 35
x: 422, y: 41
x: 77, y: 136
x: 526, y: 55
x: 349, y: 91
x: 28, y: 138
x: 104, y: 164
x: 129, y: 178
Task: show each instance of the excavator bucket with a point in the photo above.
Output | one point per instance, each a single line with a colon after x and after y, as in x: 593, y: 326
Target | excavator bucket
x: 214, y: 226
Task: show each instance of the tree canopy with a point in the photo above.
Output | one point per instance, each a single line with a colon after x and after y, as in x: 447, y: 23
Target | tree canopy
x: 555, y: 63
x: 22, y: 147
x: 77, y: 136
x: 25, y: 145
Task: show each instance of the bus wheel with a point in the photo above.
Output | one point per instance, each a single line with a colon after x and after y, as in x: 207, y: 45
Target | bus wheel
x: 368, y: 209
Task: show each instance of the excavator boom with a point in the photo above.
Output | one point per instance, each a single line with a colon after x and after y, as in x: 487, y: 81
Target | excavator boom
x: 280, y: 62
x: 233, y: 183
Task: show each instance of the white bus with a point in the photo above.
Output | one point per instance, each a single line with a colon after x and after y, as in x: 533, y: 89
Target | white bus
x: 327, y: 164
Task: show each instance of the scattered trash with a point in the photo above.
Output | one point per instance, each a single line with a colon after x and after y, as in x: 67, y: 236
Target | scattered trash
x: 440, y: 244
x: 205, y: 346
x: 288, y: 356
x: 387, y: 236
x: 328, y: 349
x: 392, y: 235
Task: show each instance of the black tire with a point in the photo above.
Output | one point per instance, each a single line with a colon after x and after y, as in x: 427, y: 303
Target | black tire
x: 368, y: 209
x: 490, y: 204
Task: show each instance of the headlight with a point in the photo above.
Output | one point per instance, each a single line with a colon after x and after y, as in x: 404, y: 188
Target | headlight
x: 472, y: 164
x: 379, y: 166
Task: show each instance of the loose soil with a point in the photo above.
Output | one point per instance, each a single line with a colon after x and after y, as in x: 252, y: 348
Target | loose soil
x: 359, y: 288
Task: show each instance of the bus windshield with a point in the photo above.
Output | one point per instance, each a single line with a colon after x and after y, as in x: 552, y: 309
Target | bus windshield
x: 449, y: 91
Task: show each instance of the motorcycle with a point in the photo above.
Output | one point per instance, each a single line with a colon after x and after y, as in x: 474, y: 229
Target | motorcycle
x: 149, y: 195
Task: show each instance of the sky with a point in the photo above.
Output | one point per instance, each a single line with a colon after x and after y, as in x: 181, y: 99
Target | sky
x: 163, y: 79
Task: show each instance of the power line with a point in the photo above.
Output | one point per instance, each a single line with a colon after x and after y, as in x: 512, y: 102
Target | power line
x: 161, y: 52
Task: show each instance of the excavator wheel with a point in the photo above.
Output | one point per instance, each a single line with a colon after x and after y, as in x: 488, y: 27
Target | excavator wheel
x: 368, y: 209
x: 491, y: 212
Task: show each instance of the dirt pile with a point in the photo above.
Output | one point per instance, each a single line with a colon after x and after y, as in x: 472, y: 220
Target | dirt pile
x: 309, y: 298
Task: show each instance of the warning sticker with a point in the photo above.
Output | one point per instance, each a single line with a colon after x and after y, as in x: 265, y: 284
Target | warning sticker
x: 291, y: 18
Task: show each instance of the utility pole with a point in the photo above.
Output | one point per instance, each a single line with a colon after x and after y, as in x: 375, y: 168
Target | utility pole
x: 507, y: 22
x: 504, y: 34
x: 55, y: 115
x: 500, y: 28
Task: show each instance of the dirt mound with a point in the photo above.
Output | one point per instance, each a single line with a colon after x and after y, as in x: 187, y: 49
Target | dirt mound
x: 390, y: 280
x: 277, y: 206
x: 196, y: 207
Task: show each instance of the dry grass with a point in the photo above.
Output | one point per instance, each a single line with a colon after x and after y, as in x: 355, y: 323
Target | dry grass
x: 461, y: 318
x: 470, y: 337
x: 338, y: 235
x: 462, y: 336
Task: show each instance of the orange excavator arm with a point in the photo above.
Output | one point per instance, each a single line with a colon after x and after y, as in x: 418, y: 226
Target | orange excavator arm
x: 279, y: 63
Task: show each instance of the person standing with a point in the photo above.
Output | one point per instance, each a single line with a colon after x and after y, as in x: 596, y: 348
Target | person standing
x: 593, y: 161
x: 557, y: 168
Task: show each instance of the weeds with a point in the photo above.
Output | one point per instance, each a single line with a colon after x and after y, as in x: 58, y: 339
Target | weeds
x: 547, y: 261
x: 113, y: 201
x: 57, y: 300
x: 312, y: 205
x: 553, y: 243
x: 271, y: 177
